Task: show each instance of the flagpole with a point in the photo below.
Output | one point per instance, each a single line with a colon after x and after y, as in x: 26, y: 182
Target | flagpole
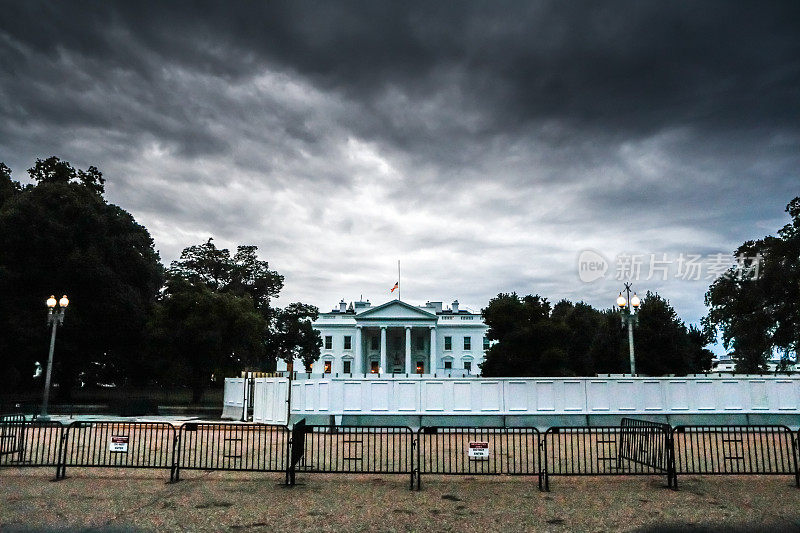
x: 398, y: 279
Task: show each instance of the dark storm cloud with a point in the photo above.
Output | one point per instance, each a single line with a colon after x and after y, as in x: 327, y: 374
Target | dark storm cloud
x: 486, y: 143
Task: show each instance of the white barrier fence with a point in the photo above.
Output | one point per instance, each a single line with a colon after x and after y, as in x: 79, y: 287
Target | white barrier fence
x: 270, y: 400
x: 516, y: 396
x: 234, y: 398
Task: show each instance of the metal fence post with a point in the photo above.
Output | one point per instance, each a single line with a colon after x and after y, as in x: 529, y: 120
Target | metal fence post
x: 176, y: 456
x: 411, y: 453
x: 419, y: 459
x: 672, y: 482
x: 796, y: 450
x: 61, y: 468
x: 544, y: 481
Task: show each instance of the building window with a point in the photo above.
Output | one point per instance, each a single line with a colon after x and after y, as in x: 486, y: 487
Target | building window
x: 374, y: 368
x: 328, y: 342
x: 347, y: 343
x: 486, y: 343
x: 327, y: 367
x: 373, y: 343
x: 420, y: 367
x: 468, y: 366
x: 346, y: 369
x: 448, y: 365
x: 467, y: 343
x: 448, y: 343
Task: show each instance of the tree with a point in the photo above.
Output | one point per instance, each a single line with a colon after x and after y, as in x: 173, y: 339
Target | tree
x: 285, y: 333
x: 698, y: 355
x: 660, y: 339
x: 580, y: 323
x: 241, y: 274
x: 755, y: 306
x: 292, y: 335
x: 528, y: 340
x: 198, y: 332
x: 608, y: 351
x: 8, y: 187
x: 60, y: 236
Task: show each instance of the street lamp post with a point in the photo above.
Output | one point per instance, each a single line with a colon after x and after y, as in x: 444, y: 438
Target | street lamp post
x: 630, y: 318
x: 54, y: 319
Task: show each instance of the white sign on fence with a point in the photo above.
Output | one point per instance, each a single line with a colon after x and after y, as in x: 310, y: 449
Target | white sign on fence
x: 478, y: 450
x: 118, y: 444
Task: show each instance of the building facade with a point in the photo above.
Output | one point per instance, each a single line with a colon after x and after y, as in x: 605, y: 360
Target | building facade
x: 400, y: 338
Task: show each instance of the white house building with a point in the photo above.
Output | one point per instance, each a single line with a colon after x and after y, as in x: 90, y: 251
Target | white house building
x: 397, y: 337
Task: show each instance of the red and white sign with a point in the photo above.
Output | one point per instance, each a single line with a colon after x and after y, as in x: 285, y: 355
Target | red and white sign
x: 118, y: 444
x: 478, y: 450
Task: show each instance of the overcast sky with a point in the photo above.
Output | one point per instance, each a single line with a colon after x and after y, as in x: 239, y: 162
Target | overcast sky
x: 485, y: 145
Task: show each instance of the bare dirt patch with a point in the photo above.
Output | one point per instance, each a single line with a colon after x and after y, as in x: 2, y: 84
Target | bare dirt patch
x: 141, y: 500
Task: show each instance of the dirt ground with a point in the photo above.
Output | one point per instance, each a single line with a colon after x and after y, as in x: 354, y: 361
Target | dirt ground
x: 127, y: 500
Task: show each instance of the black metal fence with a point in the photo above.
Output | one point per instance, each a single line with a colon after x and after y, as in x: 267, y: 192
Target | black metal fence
x: 119, y: 445
x: 635, y: 447
x: 719, y: 450
x: 232, y: 447
x: 30, y: 444
x: 477, y: 451
x: 356, y: 450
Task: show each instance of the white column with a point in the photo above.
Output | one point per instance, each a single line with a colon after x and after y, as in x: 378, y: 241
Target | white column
x: 358, y: 362
x: 433, y: 349
x: 383, y: 350
x: 408, y: 350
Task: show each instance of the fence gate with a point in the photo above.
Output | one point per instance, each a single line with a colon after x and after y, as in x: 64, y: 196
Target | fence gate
x: 635, y: 447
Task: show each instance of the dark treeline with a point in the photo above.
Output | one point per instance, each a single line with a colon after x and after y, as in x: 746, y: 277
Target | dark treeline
x: 535, y: 338
x: 131, y: 320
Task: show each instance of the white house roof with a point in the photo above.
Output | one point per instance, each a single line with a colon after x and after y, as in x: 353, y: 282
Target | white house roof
x: 395, y: 309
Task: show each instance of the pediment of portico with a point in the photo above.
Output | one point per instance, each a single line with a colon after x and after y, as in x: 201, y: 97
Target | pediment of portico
x: 395, y: 310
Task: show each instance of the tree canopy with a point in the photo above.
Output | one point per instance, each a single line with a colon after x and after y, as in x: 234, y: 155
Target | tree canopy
x: 243, y: 273
x: 60, y: 236
x: 755, y: 306
x: 197, y: 332
x: 246, y: 331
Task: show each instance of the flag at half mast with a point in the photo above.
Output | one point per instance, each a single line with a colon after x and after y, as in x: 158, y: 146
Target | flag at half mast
x: 396, y: 286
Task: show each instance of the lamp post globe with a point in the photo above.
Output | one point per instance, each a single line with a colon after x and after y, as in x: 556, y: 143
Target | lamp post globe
x: 54, y: 319
x: 635, y: 301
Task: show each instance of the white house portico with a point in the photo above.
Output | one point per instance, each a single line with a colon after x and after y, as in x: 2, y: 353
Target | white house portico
x: 399, y: 338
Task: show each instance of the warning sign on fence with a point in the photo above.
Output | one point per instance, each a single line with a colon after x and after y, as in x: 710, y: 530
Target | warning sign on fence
x: 478, y: 450
x: 119, y: 444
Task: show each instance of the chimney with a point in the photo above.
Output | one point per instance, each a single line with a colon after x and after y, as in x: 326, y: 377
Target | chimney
x: 342, y: 306
x: 436, y: 306
x: 455, y: 307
